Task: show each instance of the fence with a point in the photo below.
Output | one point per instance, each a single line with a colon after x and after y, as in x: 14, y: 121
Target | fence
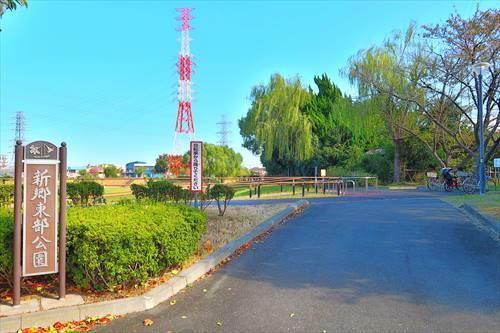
x: 277, y: 186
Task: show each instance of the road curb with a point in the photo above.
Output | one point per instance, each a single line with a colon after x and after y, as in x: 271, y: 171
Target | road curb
x: 485, y: 221
x: 151, y: 298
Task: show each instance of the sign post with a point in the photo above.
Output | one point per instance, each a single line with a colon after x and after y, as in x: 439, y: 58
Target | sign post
x: 37, y: 253
x: 196, y: 169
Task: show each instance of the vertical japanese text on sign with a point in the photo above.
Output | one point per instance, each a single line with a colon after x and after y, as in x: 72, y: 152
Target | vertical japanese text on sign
x: 40, y: 213
x: 196, y: 167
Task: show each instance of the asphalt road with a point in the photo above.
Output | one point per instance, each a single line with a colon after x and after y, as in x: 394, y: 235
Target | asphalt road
x: 374, y: 263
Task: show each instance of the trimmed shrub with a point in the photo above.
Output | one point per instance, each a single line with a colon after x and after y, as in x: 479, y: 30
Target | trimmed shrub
x: 120, y: 244
x: 187, y: 196
x: 126, y: 244
x: 222, y: 193
x: 6, y: 194
x: 177, y: 241
x: 159, y: 191
x: 81, y: 192
x: 139, y: 191
x: 6, y: 239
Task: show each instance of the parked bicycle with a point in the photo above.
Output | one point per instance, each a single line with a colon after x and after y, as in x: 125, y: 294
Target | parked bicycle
x: 433, y: 182
x: 449, y: 180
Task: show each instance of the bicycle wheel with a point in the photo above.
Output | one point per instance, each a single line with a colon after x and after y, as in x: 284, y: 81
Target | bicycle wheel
x: 447, y: 187
x: 468, y: 188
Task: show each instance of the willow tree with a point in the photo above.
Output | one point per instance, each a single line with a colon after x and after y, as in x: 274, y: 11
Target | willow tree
x: 11, y: 5
x: 382, y: 73
x: 275, y: 127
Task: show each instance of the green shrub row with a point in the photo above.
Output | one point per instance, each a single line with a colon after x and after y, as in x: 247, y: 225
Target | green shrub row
x: 6, y: 194
x: 120, y: 244
x: 6, y: 238
x: 161, y: 191
x: 80, y: 193
x: 85, y: 192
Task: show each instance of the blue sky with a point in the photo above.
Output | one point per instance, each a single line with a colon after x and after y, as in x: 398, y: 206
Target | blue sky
x: 101, y: 75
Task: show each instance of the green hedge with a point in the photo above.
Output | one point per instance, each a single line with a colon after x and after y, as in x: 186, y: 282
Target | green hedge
x: 6, y: 194
x: 121, y: 244
x: 6, y: 238
x: 82, y: 191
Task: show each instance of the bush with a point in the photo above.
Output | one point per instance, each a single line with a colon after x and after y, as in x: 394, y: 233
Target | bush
x: 113, y: 245
x: 187, y: 196
x: 160, y: 191
x: 139, y: 191
x: 81, y: 192
x: 204, y: 199
x: 121, y: 244
x: 222, y: 193
x: 6, y: 194
x: 6, y: 238
x: 379, y: 165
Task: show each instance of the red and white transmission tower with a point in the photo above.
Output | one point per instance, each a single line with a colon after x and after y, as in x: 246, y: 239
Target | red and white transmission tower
x: 184, y: 124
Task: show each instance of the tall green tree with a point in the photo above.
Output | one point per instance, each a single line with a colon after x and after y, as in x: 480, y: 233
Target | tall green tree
x: 111, y: 171
x: 380, y: 73
x: 343, y: 130
x: 161, y: 165
x: 275, y: 127
x: 219, y: 161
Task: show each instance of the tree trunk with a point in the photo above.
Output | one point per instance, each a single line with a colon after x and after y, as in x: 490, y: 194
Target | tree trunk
x: 397, y: 160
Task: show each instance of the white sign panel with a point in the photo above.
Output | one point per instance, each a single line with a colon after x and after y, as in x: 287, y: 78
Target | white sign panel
x: 496, y: 162
x: 196, y: 167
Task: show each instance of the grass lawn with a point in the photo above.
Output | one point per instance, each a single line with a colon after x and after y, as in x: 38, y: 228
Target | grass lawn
x: 488, y: 204
x: 115, y: 190
x: 274, y: 192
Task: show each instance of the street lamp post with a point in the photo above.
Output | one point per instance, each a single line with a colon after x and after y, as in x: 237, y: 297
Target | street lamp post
x: 478, y: 70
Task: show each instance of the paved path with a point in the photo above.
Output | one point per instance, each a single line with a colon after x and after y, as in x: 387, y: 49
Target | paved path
x: 400, y: 262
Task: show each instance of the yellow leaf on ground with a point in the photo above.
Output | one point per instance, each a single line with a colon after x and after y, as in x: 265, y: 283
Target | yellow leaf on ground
x: 219, y: 323
x: 184, y: 317
x: 172, y: 302
x: 147, y: 322
x: 174, y: 271
x: 204, y: 290
x: 292, y: 315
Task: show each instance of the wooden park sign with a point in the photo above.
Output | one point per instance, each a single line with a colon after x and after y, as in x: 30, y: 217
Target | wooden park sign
x: 40, y: 168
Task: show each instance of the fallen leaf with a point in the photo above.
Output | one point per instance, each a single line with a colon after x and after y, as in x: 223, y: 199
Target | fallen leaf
x: 172, y: 302
x: 219, y: 323
x: 174, y: 271
x: 184, y: 317
x: 147, y: 322
x: 292, y: 315
x: 204, y: 290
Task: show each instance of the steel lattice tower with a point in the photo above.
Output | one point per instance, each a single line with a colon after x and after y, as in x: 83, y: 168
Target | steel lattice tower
x: 224, y: 130
x: 184, y: 124
x: 18, y: 131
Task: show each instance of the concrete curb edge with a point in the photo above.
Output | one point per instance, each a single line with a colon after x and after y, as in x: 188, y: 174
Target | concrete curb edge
x: 481, y: 218
x: 151, y: 298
